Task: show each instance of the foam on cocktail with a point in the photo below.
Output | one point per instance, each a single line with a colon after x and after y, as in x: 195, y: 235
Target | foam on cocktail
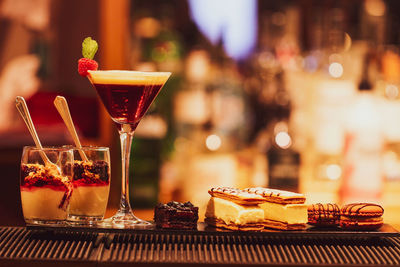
x: 123, y: 77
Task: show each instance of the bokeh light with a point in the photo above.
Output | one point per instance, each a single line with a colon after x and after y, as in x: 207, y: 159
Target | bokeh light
x: 336, y: 70
x: 213, y: 142
x: 283, y: 140
x: 391, y: 91
x: 333, y: 171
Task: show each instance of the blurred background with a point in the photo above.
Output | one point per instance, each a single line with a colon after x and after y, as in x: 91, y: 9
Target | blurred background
x: 297, y: 95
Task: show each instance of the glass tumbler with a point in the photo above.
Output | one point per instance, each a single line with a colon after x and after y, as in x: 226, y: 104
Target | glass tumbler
x: 45, y: 184
x: 91, y: 185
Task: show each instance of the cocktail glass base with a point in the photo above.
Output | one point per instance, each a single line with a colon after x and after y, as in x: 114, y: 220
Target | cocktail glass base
x: 126, y: 220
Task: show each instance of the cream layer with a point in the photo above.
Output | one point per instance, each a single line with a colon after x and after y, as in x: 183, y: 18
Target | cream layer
x: 230, y: 212
x: 43, y: 204
x: 89, y: 200
x: 289, y: 213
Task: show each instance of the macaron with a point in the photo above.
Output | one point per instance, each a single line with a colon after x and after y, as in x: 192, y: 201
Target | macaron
x: 324, y: 215
x: 361, y: 216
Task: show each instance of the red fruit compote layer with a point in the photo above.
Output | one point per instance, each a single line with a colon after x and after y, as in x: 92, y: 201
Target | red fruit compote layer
x: 91, y: 182
x: 45, y: 193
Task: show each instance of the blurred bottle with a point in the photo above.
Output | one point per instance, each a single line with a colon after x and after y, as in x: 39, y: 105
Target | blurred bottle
x: 158, y: 47
x: 364, y: 142
x: 283, y: 159
x: 389, y: 89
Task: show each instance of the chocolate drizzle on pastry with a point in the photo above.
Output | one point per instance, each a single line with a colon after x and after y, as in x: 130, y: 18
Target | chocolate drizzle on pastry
x: 238, y: 196
x: 362, y: 209
x: 278, y: 196
x: 324, y: 214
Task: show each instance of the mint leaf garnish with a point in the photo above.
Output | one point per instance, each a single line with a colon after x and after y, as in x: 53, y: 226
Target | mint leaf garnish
x: 89, y: 48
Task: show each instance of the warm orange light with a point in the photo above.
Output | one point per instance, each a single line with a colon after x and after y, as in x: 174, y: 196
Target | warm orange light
x: 283, y: 140
x: 333, y: 171
x: 336, y: 70
x: 392, y: 91
x: 375, y: 8
x: 213, y: 142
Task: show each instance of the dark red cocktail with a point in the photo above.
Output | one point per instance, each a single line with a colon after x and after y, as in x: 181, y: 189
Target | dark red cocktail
x: 127, y: 103
x: 127, y: 95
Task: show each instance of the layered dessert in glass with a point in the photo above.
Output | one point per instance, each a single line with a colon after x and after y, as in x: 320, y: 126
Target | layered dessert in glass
x: 45, y: 188
x: 91, y: 183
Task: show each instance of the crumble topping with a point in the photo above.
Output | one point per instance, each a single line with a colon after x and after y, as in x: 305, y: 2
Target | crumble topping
x: 90, y: 172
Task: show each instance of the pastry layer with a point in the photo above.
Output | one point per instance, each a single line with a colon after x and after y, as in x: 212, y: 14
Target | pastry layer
x: 360, y: 223
x: 362, y: 220
x: 232, y: 213
x: 235, y: 227
x: 290, y: 213
x: 284, y: 226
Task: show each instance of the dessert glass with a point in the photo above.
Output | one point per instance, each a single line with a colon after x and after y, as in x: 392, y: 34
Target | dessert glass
x: 45, y: 189
x: 91, y: 183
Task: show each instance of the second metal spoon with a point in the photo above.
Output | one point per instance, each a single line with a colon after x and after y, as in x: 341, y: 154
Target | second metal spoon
x: 62, y: 106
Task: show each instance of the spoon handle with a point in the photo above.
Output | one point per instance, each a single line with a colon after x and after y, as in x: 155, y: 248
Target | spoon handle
x: 62, y: 106
x: 26, y: 116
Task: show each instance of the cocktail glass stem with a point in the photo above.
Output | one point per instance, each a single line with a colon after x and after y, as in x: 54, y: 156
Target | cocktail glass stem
x: 124, y: 216
x: 126, y: 144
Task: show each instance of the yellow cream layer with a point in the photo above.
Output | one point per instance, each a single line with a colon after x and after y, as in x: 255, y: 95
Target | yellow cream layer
x: 230, y: 212
x: 89, y: 200
x: 124, y: 77
x: 42, y: 204
x: 289, y: 213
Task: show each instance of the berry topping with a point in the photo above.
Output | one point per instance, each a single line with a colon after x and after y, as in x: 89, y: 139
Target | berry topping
x: 89, y: 173
x: 89, y: 49
x: 174, y: 205
x: 36, y: 175
x: 85, y: 64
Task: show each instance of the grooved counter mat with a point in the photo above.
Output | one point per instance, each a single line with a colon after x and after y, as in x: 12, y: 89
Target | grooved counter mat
x: 64, y: 246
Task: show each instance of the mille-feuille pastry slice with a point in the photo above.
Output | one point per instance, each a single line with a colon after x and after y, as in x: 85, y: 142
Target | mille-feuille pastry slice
x: 234, y: 209
x: 283, y: 210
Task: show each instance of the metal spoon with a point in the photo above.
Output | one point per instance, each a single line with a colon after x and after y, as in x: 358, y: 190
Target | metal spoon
x: 62, y: 106
x: 26, y: 116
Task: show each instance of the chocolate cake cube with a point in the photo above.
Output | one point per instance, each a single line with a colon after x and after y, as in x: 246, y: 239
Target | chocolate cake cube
x: 176, y: 215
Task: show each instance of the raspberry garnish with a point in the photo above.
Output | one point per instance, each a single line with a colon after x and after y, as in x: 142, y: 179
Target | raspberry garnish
x: 85, y: 64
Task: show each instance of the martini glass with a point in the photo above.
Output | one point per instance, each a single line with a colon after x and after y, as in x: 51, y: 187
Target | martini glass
x: 127, y: 95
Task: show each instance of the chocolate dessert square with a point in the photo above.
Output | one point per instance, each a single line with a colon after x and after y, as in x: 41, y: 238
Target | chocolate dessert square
x: 176, y: 215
